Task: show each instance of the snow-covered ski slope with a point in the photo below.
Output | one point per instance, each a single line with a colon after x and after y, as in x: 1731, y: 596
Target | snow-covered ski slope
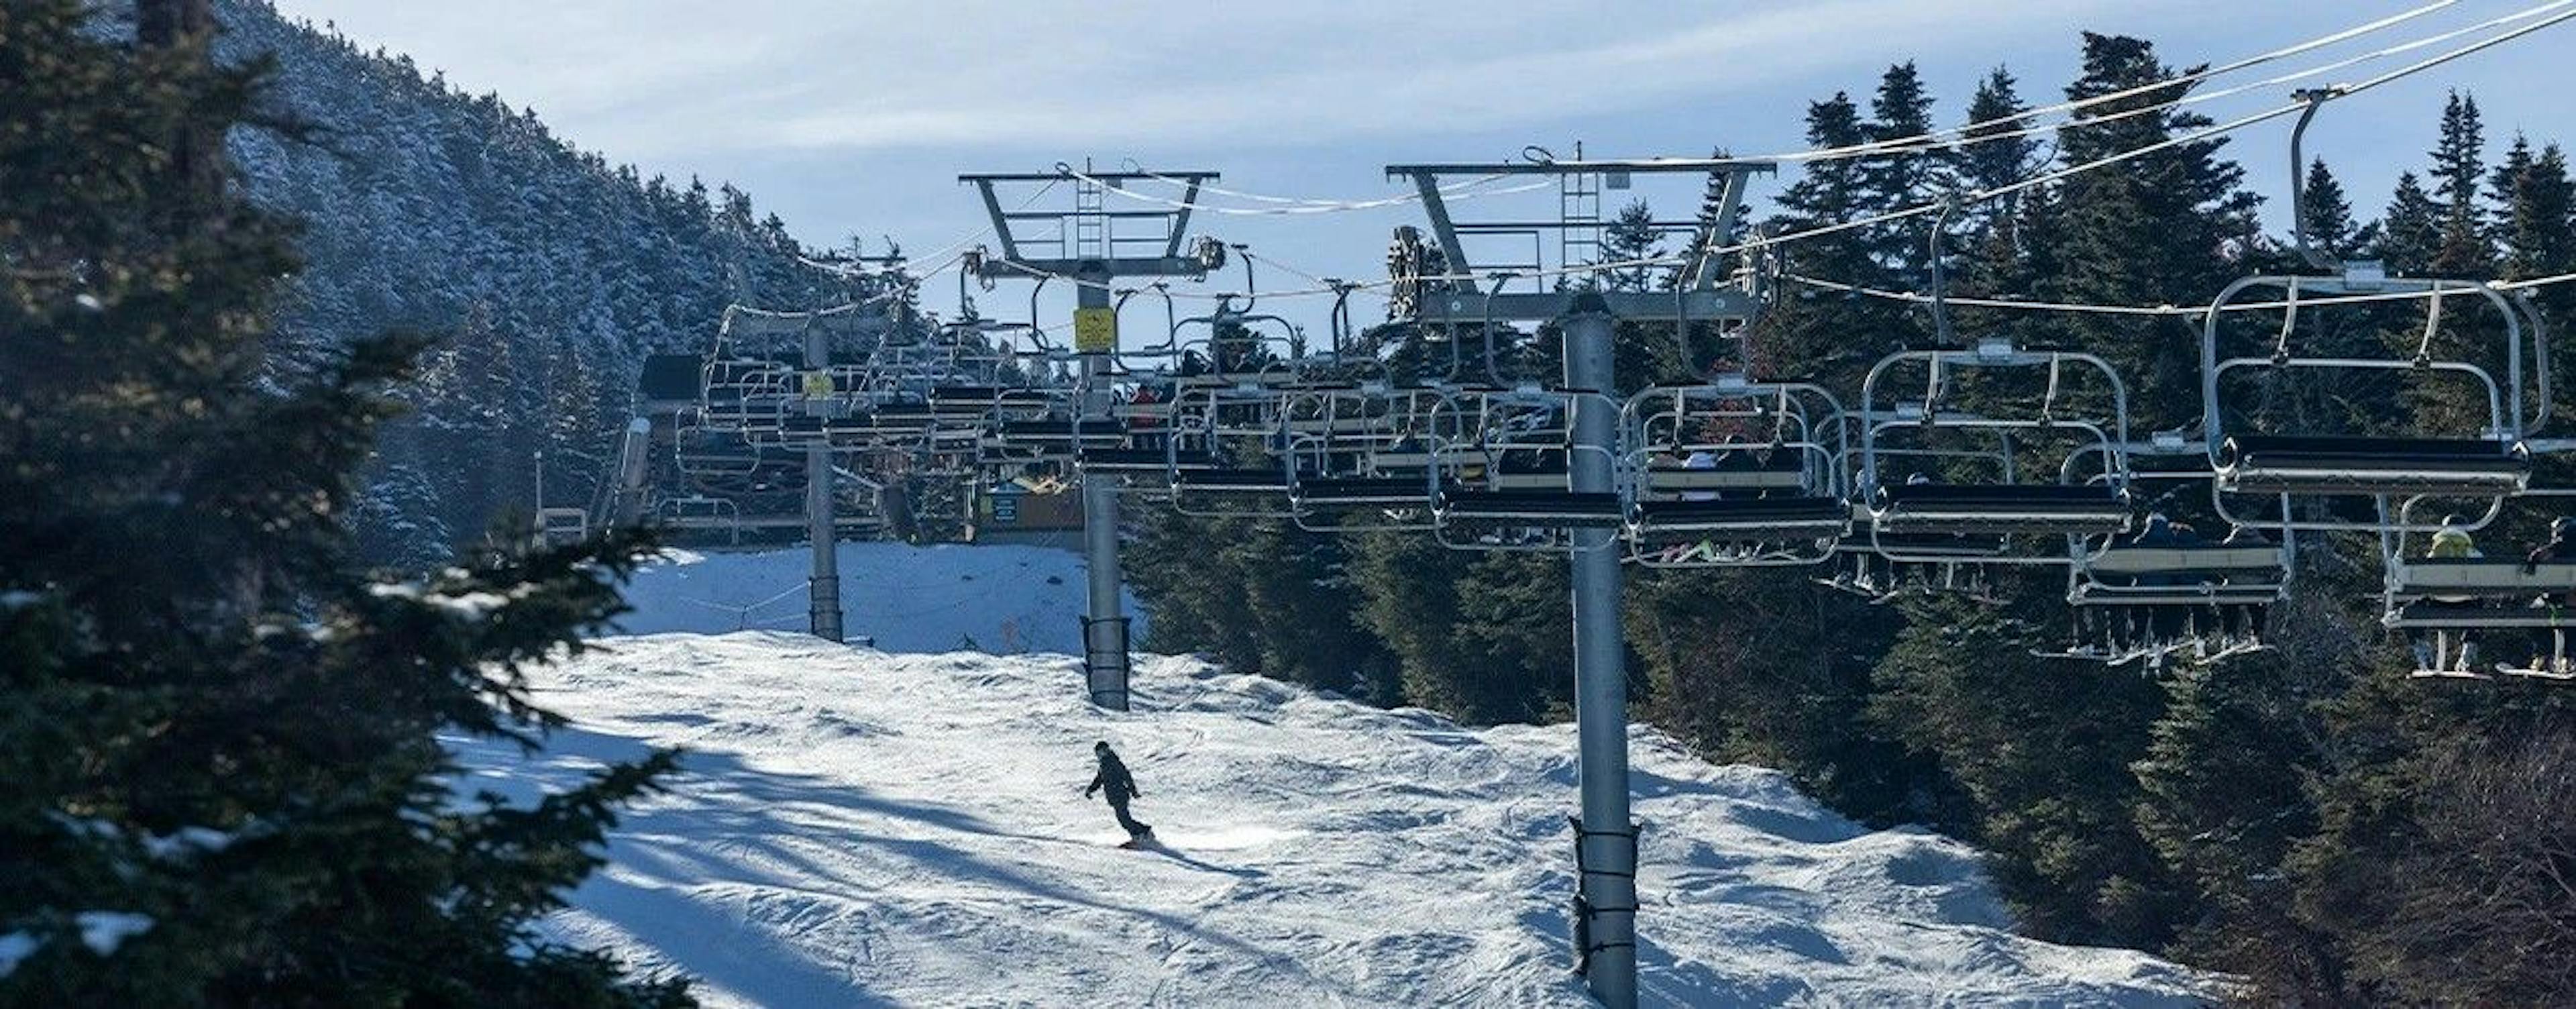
x: 863, y: 828
x: 1001, y: 599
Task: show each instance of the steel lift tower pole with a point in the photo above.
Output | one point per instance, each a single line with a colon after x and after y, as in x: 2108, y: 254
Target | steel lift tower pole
x: 1095, y: 247
x: 1605, y: 835
x: 823, y: 591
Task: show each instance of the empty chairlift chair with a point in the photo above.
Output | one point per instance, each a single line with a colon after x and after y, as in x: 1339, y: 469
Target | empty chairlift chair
x: 2489, y: 463
x: 1993, y: 515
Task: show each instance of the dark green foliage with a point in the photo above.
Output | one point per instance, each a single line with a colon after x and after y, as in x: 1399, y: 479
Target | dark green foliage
x: 2459, y: 160
x: 217, y: 723
x: 1260, y: 596
x: 2307, y: 819
x: 2328, y: 215
x: 1778, y: 676
x: 2040, y: 749
x: 1629, y: 237
x: 552, y: 271
x: 2411, y: 230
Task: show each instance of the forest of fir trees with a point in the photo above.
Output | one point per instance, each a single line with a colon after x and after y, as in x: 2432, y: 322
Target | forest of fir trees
x: 545, y: 272
x: 2306, y: 818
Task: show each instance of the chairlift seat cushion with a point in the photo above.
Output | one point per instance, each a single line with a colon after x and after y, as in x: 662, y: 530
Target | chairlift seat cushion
x: 1990, y: 508
x: 2309, y: 464
x: 1787, y: 517
x: 1782, y: 470
x: 1363, y: 491
x: 1267, y: 482
x: 2481, y: 576
x: 1039, y: 432
x: 1140, y: 460
x: 2184, y: 559
x: 1534, y: 507
x: 2437, y: 615
x: 1938, y: 546
x: 2200, y: 594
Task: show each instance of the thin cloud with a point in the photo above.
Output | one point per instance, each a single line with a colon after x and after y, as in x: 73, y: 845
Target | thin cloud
x: 657, y: 78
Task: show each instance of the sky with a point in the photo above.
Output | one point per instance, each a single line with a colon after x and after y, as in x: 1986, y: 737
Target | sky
x: 854, y: 117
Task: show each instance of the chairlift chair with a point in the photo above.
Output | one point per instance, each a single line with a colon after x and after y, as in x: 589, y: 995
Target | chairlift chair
x: 1733, y: 473
x: 1523, y: 499
x: 2487, y: 464
x: 2457, y: 597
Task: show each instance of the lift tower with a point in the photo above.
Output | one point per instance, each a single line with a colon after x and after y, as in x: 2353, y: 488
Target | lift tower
x: 1606, y: 837
x: 1094, y: 247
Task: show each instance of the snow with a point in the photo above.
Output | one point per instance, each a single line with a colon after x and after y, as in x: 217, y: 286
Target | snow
x: 861, y: 828
x: 15, y: 948
x: 1005, y: 599
x: 188, y: 842
x: 104, y: 931
x: 469, y: 606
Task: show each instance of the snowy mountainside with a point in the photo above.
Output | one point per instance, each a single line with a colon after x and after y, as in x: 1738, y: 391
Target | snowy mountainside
x: 549, y: 271
x: 938, y: 598
x: 860, y: 828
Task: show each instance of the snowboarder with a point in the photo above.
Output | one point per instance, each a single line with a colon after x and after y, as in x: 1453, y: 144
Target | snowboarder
x: 2560, y: 549
x: 1122, y: 787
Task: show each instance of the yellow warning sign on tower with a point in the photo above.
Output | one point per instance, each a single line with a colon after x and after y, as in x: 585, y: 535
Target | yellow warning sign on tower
x: 1095, y: 330
x: 818, y: 385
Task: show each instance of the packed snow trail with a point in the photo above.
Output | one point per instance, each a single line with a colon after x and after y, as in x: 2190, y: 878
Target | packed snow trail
x: 858, y: 828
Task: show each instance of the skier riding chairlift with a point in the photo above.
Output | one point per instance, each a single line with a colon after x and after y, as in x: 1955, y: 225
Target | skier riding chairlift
x: 2560, y: 549
x: 2450, y: 542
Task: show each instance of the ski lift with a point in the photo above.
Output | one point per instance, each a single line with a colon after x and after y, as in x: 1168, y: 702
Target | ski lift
x: 1734, y: 473
x: 2005, y: 507
x: 1514, y: 487
x: 2489, y: 463
x: 2460, y: 593
x: 1361, y: 457
x: 1239, y: 346
x: 2165, y: 590
x: 1238, y: 429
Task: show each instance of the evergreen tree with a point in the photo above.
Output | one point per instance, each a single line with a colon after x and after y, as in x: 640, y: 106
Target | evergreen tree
x: 2410, y: 234
x: 221, y: 779
x: 2327, y: 214
x: 1913, y: 173
x: 2041, y: 753
x: 1817, y: 334
x: 2536, y: 219
x: 2146, y: 229
x: 1629, y: 237
x: 1987, y: 160
x: 2459, y: 159
x: 1829, y: 191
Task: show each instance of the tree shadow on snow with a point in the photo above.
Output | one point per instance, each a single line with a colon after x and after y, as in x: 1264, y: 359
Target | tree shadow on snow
x: 691, y: 869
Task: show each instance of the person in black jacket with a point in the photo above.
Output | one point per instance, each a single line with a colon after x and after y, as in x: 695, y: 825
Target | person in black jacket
x: 1122, y: 787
